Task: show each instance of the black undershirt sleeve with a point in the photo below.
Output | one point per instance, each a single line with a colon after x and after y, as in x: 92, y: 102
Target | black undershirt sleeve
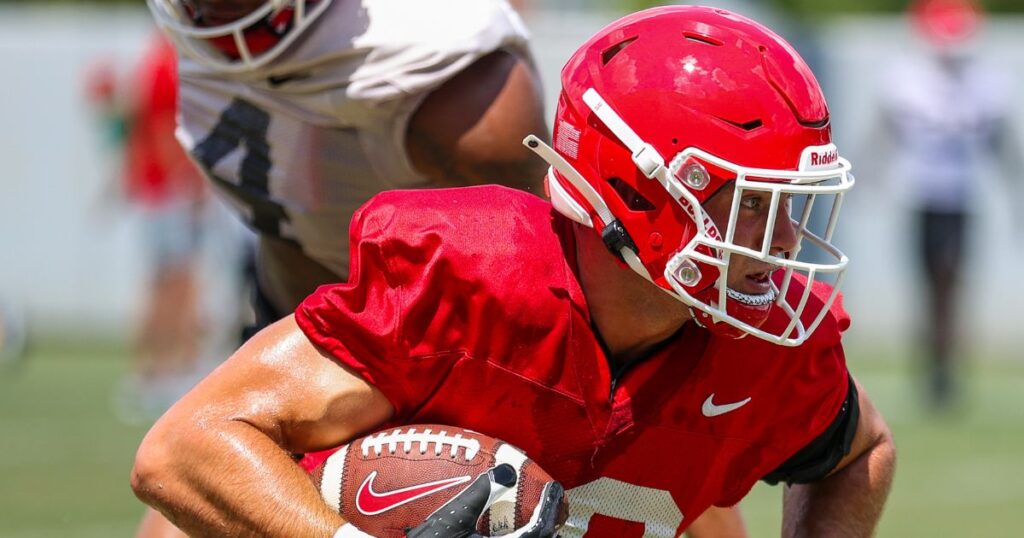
x: 820, y: 456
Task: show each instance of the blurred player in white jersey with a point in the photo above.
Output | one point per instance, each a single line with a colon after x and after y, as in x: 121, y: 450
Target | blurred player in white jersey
x: 944, y: 113
x: 299, y: 111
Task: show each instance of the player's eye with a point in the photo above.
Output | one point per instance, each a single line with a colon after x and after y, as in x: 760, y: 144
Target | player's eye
x: 752, y: 202
x: 759, y: 201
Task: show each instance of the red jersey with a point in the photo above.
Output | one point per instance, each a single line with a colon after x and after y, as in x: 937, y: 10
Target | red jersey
x: 156, y: 167
x: 464, y: 307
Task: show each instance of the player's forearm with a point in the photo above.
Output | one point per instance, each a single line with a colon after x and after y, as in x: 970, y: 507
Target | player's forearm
x: 228, y: 480
x: 846, y: 504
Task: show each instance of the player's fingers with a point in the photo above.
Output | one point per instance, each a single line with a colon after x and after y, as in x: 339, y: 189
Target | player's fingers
x: 502, y: 477
x: 458, y: 517
x: 547, y: 516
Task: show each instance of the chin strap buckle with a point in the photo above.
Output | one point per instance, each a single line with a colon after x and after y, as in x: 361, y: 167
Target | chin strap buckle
x: 616, y: 238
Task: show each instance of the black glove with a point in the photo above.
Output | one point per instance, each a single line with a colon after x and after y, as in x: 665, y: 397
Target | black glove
x: 458, y: 517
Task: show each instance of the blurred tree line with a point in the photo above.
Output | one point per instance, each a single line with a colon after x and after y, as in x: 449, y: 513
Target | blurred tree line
x: 803, y: 7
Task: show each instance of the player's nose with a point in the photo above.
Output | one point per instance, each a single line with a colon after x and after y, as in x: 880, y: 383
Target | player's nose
x: 784, y: 233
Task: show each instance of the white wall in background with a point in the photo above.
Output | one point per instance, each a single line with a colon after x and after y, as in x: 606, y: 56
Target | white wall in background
x: 68, y: 260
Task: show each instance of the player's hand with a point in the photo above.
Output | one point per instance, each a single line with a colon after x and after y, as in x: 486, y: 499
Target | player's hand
x: 458, y: 517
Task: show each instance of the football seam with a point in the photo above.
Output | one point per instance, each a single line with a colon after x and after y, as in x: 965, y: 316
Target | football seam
x: 392, y: 439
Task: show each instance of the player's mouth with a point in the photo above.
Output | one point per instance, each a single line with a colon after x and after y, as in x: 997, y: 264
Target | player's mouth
x: 758, y: 283
x: 755, y: 289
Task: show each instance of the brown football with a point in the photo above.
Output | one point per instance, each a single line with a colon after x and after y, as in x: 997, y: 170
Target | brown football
x: 392, y: 480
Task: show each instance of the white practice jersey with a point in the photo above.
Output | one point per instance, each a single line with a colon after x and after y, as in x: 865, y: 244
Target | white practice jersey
x: 300, y: 144
x: 945, y: 125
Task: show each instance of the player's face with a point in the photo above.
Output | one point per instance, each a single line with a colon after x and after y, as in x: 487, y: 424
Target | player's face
x: 217, y: 12
x: 748, y: 275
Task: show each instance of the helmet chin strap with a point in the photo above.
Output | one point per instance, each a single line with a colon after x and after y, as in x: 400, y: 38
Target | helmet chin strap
x: 645, y: 157
x: 567, y: 206
x: 565, y: 203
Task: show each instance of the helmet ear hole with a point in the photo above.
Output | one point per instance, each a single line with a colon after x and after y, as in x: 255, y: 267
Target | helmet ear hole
x: 630, y: 197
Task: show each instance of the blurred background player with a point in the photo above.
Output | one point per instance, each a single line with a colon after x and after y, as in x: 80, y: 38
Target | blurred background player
x: 945, y: 113
x: 160, y: 180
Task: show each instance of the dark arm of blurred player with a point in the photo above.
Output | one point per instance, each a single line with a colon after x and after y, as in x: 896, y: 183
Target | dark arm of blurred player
x: 468, y: 131
x: 849, y: 501
x: 218, y: 462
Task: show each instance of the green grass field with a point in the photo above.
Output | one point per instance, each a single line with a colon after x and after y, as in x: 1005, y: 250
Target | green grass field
x: 65, y: 464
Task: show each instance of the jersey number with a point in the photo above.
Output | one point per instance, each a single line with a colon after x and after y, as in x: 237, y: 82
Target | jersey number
x: 612, y: 498
x: 243, y: 123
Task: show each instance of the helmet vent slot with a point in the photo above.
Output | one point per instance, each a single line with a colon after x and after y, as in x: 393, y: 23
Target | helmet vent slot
x: 746, y: 126
x: 611, y: 51
x: 815, y: 124
x: 700, y: 38
x: 629, y: 196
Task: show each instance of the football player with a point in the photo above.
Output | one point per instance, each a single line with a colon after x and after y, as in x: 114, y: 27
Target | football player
x: 656, y: 338
x: 301, y: 110
x: 161, y: 182
x: 946, y: 112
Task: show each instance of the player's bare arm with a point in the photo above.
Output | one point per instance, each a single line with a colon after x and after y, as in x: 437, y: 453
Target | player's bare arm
x: 218, y: 462
x: 849, y: 502
x: 470, y: 130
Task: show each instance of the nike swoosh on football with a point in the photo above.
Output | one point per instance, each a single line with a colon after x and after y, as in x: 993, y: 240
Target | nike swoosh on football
x: 370, y: 502
x: 709, y: 409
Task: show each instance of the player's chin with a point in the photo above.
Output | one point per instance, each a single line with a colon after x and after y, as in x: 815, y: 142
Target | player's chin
x: 751, y: 303
x: 754, y: 315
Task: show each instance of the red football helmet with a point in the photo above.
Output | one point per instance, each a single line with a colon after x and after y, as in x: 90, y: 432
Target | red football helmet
x: 662, y: 109
x: 241, y: 45
x: 946, y: 23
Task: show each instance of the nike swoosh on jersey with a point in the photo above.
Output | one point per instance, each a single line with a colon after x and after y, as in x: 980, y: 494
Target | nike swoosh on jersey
x: 278, y: 80
x: 709, y: 409
x: 370, y: 502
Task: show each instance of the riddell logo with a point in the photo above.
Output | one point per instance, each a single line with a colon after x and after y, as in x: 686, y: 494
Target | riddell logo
x: 824, y: 159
